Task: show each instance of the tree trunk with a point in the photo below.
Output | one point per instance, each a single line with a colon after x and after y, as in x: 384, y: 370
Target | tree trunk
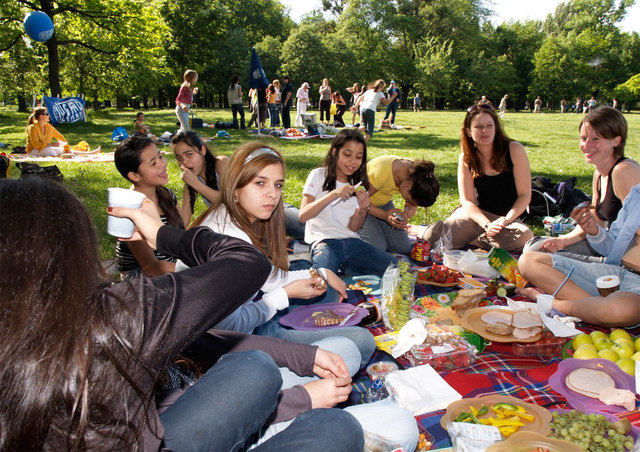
x: 52, y: 49
x: 22, y: 104
x: 145, y: 102
x: 120, y: 102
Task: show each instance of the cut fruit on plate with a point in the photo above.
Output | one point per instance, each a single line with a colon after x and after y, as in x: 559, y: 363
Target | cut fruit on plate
x: 539, y: 424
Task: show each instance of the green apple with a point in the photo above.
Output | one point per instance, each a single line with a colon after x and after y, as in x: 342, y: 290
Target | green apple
x: 637, y: 344
x: 626, y: 340
x: 636, y: 356
x: 597, y: 335
x: 581, y: 339
x: 619, y: 333
x: 609, y: 354
x: 586, y: 351
x: 623, y: 349
x: 603, y: 343
x: 628, y: 365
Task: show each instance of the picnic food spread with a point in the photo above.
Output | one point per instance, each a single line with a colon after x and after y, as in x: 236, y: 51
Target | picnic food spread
x: 463, y: 313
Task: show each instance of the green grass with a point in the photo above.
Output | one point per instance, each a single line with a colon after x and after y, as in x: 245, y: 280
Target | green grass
x: 551, y: 140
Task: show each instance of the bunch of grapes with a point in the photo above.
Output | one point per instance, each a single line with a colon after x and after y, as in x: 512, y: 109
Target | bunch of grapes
x: 404, y: 296
x: 592, y: 432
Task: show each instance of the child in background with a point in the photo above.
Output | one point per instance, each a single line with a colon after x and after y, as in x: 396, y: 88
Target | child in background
x: 142, y: 129
x: 141, y: 163
x: 273, y: 106
x: 40, y: 135
x: 185, y: 98
x: 334, y: 211
x: 201, y: 171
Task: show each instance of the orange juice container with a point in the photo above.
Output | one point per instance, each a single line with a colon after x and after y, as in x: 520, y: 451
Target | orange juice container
x: 507, y: 266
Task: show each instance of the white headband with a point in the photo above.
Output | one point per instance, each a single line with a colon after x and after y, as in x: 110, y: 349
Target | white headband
x: 260, y: 151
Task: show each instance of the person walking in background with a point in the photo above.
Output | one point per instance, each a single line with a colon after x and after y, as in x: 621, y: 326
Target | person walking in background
x: 563, y: 105
x: 503, y: 105
x: 592, y: 104
x: 303, y: 101
x: 416, y: 103
x: 287, y: 99
x: 185, y: 98
x: 392, y: 107
x: 276, y: 85
x: 537, y: 105
x: 368, y: 103
x: 234, y: 94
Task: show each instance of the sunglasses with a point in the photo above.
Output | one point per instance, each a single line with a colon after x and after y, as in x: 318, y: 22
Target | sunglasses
x: 474, y: 107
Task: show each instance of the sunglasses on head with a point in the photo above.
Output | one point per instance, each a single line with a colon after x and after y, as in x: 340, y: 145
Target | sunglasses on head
x: 474, y: 107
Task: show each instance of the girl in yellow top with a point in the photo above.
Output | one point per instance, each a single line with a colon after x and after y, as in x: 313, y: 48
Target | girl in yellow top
x: 386, y: 226
x: 40, y: 135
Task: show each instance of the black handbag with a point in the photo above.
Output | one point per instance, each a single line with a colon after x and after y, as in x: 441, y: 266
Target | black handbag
x: 47, y: 172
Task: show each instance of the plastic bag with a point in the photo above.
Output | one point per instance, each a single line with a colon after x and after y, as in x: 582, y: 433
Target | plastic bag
x: 442, y: 245
x: 469, y: 263
x: 398, y: 284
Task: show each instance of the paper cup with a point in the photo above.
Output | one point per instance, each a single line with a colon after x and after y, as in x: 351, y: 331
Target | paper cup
x: 121, y: 197
x: 607, y: 284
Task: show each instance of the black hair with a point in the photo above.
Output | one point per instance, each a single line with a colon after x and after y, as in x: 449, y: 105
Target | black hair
x: 127, y: 159
x: 425, y: 187
x: 359, y: 175
x: 193, y: 140
x: 234, y: 80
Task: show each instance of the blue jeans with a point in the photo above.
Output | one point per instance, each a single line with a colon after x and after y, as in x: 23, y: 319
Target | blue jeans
x: 392, y: 108
x: 274, y: 115
x: 293, y: 226
x: 383, y: 236
x: 238, y: 109
x: 226, y: 407
x: 352, y: 256
x: 183, y: 117
x: 361, y: 337
x: 368, y: 117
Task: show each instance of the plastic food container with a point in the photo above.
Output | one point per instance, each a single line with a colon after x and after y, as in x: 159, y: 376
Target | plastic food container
x: 547, y: 345
x: 380, y: 369
x: 470, y: 283
x: 448, y: 352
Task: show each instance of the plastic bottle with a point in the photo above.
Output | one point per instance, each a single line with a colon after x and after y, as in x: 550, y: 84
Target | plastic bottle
x: 376, y: 391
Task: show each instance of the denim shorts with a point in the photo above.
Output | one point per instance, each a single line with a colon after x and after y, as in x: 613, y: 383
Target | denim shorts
x: 585, y: 274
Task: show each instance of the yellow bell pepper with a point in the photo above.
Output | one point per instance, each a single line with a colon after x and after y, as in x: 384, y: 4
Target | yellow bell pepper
x: 507, y: 431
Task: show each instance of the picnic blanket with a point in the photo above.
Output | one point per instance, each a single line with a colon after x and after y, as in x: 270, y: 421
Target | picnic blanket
x: 497, y: 370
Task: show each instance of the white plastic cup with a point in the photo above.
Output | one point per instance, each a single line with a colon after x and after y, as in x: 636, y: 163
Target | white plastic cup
x: 121, y: 197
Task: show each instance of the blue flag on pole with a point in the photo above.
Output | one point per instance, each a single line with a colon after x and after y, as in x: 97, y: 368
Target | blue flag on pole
x: 257, y: 77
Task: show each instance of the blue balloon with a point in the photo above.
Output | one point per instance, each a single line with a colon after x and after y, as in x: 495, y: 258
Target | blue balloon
x: 38, y: 26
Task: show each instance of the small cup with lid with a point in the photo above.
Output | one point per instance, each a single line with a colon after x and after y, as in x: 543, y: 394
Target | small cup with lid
x: 607, y: 284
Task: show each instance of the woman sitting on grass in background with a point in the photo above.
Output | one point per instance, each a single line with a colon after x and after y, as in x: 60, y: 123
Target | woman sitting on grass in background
x: 334, y: 210
x: 40, y: 135
x: 201, y: 171
x: 106, y: 343
x: 386, y: 226
x: 603, y: 134
x: 251, y: 209
x: 141, y: 163
x: 494, y: 183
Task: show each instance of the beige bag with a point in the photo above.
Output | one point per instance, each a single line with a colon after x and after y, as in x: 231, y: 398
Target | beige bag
x: 631, y: 259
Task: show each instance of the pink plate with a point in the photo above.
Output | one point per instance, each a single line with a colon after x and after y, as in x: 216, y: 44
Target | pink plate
x: 302, y: 318
x: 557, y: 381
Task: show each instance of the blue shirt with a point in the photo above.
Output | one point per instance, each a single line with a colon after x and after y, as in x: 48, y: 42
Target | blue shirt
x: 620, y: 236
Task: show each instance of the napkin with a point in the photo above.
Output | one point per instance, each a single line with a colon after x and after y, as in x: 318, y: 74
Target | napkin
x: 420, y: 389
x: 559, y: 326
x: 414, y: 332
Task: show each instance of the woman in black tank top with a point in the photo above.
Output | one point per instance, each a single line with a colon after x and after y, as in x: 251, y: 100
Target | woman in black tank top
x: 494, y: 183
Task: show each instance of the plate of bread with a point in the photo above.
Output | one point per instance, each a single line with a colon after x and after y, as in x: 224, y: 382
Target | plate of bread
x: 503, y: 325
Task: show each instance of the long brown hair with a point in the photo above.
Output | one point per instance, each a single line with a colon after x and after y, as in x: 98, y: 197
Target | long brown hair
x: 67, y: 345
x: 37, y: 112
x: 609, y: 123
x: 266, y: 235
x: 501, y: 142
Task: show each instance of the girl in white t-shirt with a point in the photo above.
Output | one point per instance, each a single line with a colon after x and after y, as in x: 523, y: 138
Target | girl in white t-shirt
x: 369, y: 102
x: 334, y: 210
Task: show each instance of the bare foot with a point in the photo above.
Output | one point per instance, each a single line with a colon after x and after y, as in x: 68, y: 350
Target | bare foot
x: 529, y: 292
